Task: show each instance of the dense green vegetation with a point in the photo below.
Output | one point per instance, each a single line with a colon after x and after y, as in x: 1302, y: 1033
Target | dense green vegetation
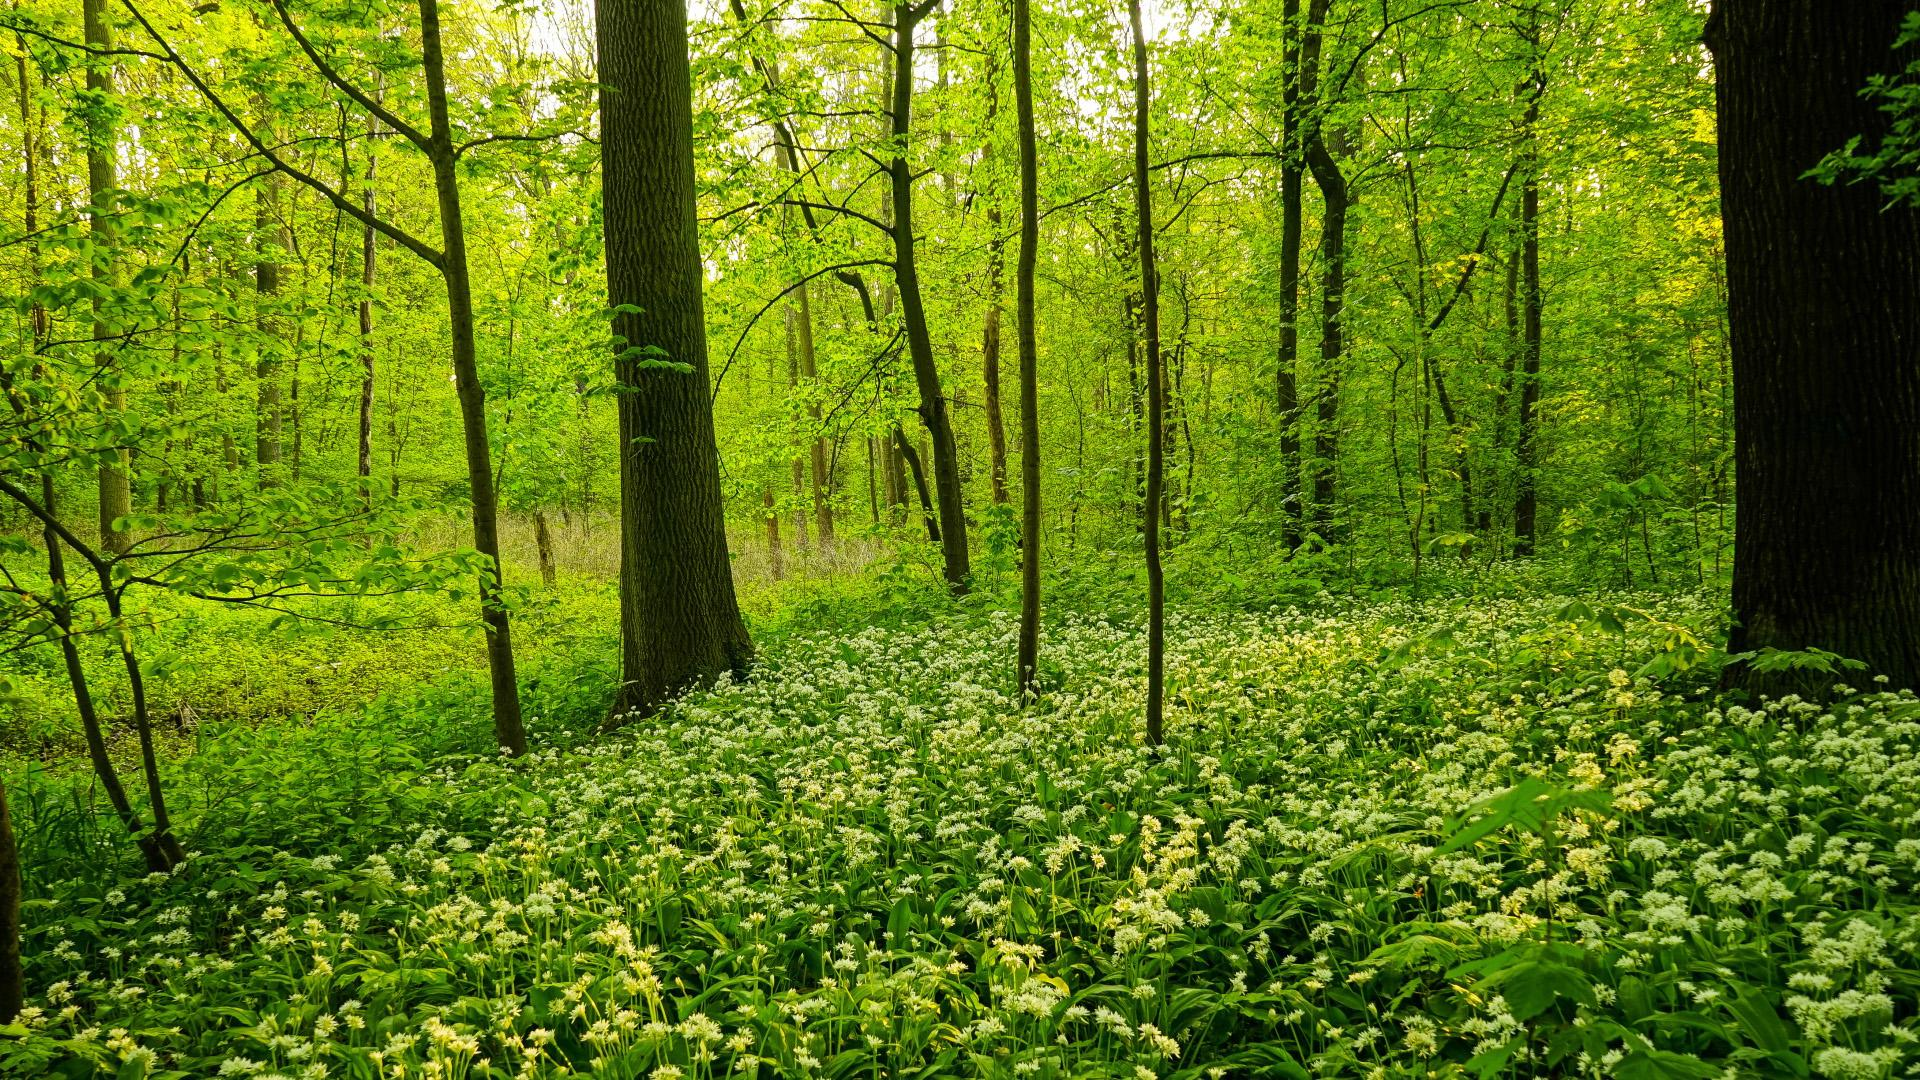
x: 1268, y: 538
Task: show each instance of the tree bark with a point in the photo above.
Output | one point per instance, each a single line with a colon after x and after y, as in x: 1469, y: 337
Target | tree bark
x: 1156, y: 384
x: 103, y: 152
x: 368, y: 266
x: 1029, y: 655
x: 679, y: 620
x: 270, y: 238
x: 1333, y: 287
x: 1526, y: 501
x: 996, y: 263
x: 507, y: 727
x: 1826, y: 343
x: 926, y: 370
x: 1292, y: 180
x: 13, y: 987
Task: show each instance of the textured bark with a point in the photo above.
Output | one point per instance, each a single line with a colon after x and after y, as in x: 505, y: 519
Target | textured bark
x: 996, y: 263
x: 1293, y: 168
x: 1333, y: 289
x: 1029, y: 656
x: 1826, y: 342
x: 1156, y: 384
x: 270, y: 238
x: 817, y: 449
x: 926, y: 370
x: 507, y: 728
x: 776, y: 559
x: 1526, y: 501
x: 13, y: 988
x: 680, y: 623
x: 543, y: 541
x: 103, y: 152
x: 368, y: 265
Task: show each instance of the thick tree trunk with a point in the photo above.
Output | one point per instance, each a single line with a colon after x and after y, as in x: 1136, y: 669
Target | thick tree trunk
x: 1826, y: 342
x: 680, y: 623
x: 13, y: 987
x: 1029, y: 656
x: 1156, y: 384
x: 507, y: 727
x: 103, y: 152
x: 926, y: 370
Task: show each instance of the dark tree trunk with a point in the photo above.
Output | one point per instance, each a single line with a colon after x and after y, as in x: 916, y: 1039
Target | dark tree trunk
x: 103, y: 152
x: 926, y: 370
x: 996, y: 264
x: 680, y: 623
x: 1156, y: 384
x: 1333, y: 290
x: 1029, y: 658
x: 368, y: 264
x: 507, y: 727
x: 270, y: 239
x: 1526, y: 501
x: 1293, y: 169
x: 776, y: 559
x: 1826, y: 342
x: 13, y: 987
x: 911, y: 458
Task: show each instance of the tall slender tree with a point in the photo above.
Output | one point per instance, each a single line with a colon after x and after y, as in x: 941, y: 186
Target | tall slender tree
x: 103, y: 163
x: 1526, y: 440
x: 443, y: 154
x: 926, y: 370
x: 1821, y: 284
x: 679, y: 620
x: 1156, y: 382
x: 1029, y: 661
x: 13, y: 987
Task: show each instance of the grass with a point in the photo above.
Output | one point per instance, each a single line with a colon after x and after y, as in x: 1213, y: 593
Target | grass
x: 1459, y: 838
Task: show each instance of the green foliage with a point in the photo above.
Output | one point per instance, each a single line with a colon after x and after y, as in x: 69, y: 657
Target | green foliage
x: 869, y: 860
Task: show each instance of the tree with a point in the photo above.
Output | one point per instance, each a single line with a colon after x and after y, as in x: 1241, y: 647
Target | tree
x: 926, y: 371
x: 443, y: 154
x: 680, y: 624
x: 12, y: 984
x: 1156, y: 383
x: 103, y: 153
x: 1029, y: 660
x: 1821, y: 283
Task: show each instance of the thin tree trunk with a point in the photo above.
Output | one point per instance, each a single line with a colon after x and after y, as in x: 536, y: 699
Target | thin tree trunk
x: 817, y: 449
x: 926, y: 371
x: 270, y: 238
x: 1029, y: 656
x: 679, y: 619
x: 1156, y: 384
x: 1293, y: 169
x: 1821, y: 285
x: 911, y: 458
x: 103, y: 152
x: 775, y: 557
x: 507, y: 727
x: 368, y: 266
x: 1526, y: 450
x: 13, y: 987
x: 996, y: 262
x: 543, y: 540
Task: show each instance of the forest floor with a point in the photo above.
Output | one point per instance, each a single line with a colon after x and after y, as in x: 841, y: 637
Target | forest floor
x: 1458, y: 838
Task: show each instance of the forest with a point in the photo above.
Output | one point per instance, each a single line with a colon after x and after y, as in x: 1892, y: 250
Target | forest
x: 1016, y: 539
